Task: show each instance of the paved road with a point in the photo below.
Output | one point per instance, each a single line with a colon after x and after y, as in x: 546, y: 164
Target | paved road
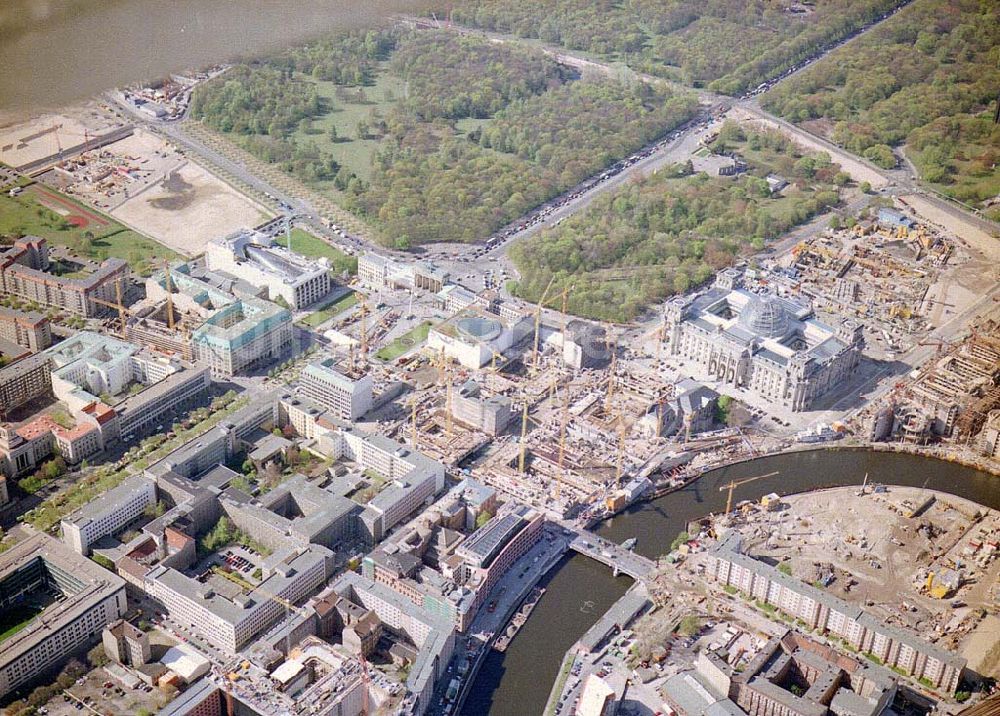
x: 281, y: 201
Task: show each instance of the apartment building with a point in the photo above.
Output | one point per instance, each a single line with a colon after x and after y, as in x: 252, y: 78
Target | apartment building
x: 24, y: 273
x: 92, y: 597
x: 896, y: 648
x: 327, y: 385
x: 23, y: 381
x: 28, y: 329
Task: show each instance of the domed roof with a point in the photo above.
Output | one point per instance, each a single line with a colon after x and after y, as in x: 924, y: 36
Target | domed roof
x: 765, y: 316
x: 482, y: 329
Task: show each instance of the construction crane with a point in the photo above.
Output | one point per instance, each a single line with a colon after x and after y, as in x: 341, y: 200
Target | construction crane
x: 524, y: 437
x: 363, y: 331
x: 733, y: 484
x: 611, y: 383
x: 118, y: 305
x: 170, y: 294
x: 538, y: 322
x: 621, y: 450
x: 563, y: 421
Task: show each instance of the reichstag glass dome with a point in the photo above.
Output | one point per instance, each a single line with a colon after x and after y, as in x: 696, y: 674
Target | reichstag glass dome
x: 765, y: 316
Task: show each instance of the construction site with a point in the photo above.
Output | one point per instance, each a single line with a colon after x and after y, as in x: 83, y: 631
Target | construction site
x: 898, y: 277
x: 914, y: 558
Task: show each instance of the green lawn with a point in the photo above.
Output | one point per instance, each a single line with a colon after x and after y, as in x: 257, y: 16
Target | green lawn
x: 14, y: 619
x: 314, y: 247
x: 325, y: 313
x: 23, y: 214
x: 405, y: 342
x: 351, y: 105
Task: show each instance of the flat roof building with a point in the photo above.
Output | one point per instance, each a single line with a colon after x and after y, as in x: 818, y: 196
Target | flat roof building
x: 328, y: 386
x: 90, y: 598
x: 230, y: 621
x: 24, y: 273
x: 255, y: 257
x: 896, y: 648
x: 109, y: 514
x: 28, y: 329
x: 237, y: 331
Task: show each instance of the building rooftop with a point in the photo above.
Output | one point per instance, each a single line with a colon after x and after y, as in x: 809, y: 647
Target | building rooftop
x: 85, y: 584
x: 486, y: 543
x: 110, y: 501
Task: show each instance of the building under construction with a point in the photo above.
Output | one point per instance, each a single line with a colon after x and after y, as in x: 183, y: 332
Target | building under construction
x: 206, y: 318
x: 957, y: 394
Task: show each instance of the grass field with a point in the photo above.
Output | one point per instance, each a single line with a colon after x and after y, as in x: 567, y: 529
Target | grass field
x: 314, y: 247
x: 351, y: 105
x: 14, y: 619
x: 25, y: 215
x: 324, y: 314
x: 405, y: 342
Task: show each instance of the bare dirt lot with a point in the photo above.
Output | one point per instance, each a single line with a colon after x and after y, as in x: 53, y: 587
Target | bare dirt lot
x: 43, y: 136
x: 187, y: 208
x: 968, y: 231
x: 878, y: 556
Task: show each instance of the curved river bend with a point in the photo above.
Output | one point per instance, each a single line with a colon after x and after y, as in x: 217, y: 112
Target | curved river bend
x: 517, y: 682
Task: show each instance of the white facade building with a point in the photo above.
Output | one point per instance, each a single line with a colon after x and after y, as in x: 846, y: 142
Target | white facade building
x: 258, y: 260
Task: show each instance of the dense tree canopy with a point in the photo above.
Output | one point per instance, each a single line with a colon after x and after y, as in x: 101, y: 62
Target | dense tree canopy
x: 666, y: 234
x: 428, y: 186
x: 733, y: 44
x: 920, y: 78
x: 455, y: 76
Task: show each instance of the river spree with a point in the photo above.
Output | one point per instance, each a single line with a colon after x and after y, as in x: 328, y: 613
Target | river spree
x: 518, y: 681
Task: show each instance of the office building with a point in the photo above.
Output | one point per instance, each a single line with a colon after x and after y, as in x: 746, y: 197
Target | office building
x: 108, y: 515
x: 225, y: 616
x: 24, y: 273
x: 90, y: 598
x: 254, y: 257
x: 330, y: 387
x: 232, y: 330
x: 771, y: 346
x: 490, y: 415
x: 820, y: 611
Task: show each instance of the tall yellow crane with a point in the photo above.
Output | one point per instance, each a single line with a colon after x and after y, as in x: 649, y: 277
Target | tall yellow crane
x: 733, y: 484
x: 118, y: 305
x: 621, y: 450
x: 611, y: 383
x: 524, y: 437
x: 170, y: 295
x: 538, y: 322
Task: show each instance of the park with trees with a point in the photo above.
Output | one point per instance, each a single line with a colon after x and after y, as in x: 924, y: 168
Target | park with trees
x: 924, y: 81
x: 672, y: 231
